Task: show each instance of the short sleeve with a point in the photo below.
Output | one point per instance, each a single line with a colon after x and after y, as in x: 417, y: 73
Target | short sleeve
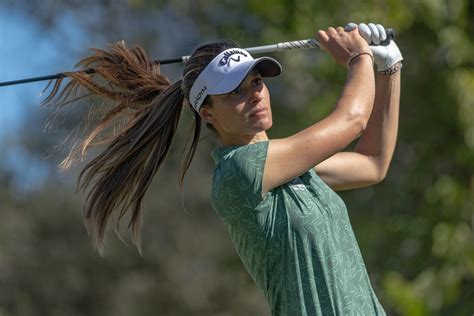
x: 241, y: 175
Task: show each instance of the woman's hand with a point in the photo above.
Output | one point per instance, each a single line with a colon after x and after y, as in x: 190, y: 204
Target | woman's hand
x: 386, y: 53
x: 342, y: 45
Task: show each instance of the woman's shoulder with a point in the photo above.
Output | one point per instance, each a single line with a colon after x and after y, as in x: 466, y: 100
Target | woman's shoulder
x: 239, y: 170
x: 241, y: 160
x: 237, y: 153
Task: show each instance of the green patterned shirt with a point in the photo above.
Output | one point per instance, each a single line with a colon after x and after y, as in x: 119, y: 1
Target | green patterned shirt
x: 296, y: 242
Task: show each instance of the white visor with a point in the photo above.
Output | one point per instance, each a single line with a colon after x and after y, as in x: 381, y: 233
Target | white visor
x: 227, y: 71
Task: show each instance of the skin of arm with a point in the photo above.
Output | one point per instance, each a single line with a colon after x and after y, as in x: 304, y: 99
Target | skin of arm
x: 290, y: 157
x: 369, y: 162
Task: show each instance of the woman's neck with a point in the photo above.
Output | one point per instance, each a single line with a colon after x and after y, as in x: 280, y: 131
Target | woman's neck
x: 232, y: 140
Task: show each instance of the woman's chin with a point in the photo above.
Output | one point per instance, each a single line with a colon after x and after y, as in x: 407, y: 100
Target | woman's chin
x: 263, y: 124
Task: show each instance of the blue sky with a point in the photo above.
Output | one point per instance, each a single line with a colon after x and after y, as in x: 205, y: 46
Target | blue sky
x: 27, y: 50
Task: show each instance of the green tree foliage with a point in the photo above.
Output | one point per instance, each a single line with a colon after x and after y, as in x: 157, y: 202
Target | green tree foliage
x: 415, y: 229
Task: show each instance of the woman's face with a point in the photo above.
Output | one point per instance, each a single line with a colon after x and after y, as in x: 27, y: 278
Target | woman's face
x: 243, y: 112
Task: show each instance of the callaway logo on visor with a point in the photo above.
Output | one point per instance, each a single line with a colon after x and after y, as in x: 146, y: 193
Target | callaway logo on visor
x: 227, y: 58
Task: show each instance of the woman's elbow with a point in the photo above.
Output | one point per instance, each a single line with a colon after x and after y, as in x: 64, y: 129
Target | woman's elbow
x: 381, y: 174
x: 380, y: 178
x: 378, y: 169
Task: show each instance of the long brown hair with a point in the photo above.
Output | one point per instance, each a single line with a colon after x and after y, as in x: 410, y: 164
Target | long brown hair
x: 117, y: 179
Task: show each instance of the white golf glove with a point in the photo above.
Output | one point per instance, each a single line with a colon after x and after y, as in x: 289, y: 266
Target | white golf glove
x: 386, y: 53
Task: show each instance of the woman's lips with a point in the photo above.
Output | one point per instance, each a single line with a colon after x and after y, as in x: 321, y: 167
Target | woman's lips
x: 259, y: 112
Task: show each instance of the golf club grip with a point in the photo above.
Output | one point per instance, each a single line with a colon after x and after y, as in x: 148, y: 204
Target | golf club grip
x: 305, y: 44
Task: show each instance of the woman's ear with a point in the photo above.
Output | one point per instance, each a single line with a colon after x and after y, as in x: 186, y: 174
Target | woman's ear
x: 207, y: 113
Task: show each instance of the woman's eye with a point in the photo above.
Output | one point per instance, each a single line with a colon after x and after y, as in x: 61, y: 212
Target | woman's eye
x: 257, y: 82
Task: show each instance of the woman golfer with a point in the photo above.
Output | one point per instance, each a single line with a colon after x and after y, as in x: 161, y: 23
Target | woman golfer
x: 276, y: 197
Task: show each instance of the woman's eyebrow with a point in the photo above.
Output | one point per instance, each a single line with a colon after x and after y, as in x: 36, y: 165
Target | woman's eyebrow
x: 252, y: 73
x: 255, y: 72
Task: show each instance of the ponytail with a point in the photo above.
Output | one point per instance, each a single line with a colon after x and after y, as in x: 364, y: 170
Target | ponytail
x: 119, y: 176
x: 148, y: 108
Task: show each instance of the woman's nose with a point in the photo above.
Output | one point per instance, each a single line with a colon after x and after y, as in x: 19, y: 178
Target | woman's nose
x: 256, y: 95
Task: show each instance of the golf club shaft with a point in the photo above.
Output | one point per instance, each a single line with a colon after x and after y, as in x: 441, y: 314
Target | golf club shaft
x: 292, y: 45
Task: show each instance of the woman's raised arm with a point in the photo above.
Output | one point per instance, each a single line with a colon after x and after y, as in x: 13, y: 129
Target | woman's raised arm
x: 290, y: 157
x: 369, y: 162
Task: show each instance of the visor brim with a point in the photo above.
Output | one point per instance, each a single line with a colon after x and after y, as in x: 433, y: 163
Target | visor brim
x: 267, y: 66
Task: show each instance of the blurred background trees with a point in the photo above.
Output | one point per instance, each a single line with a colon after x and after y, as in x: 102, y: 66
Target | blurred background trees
x: 415, y: 229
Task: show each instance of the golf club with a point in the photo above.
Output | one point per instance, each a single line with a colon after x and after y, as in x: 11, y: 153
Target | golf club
x: 283, y: 46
